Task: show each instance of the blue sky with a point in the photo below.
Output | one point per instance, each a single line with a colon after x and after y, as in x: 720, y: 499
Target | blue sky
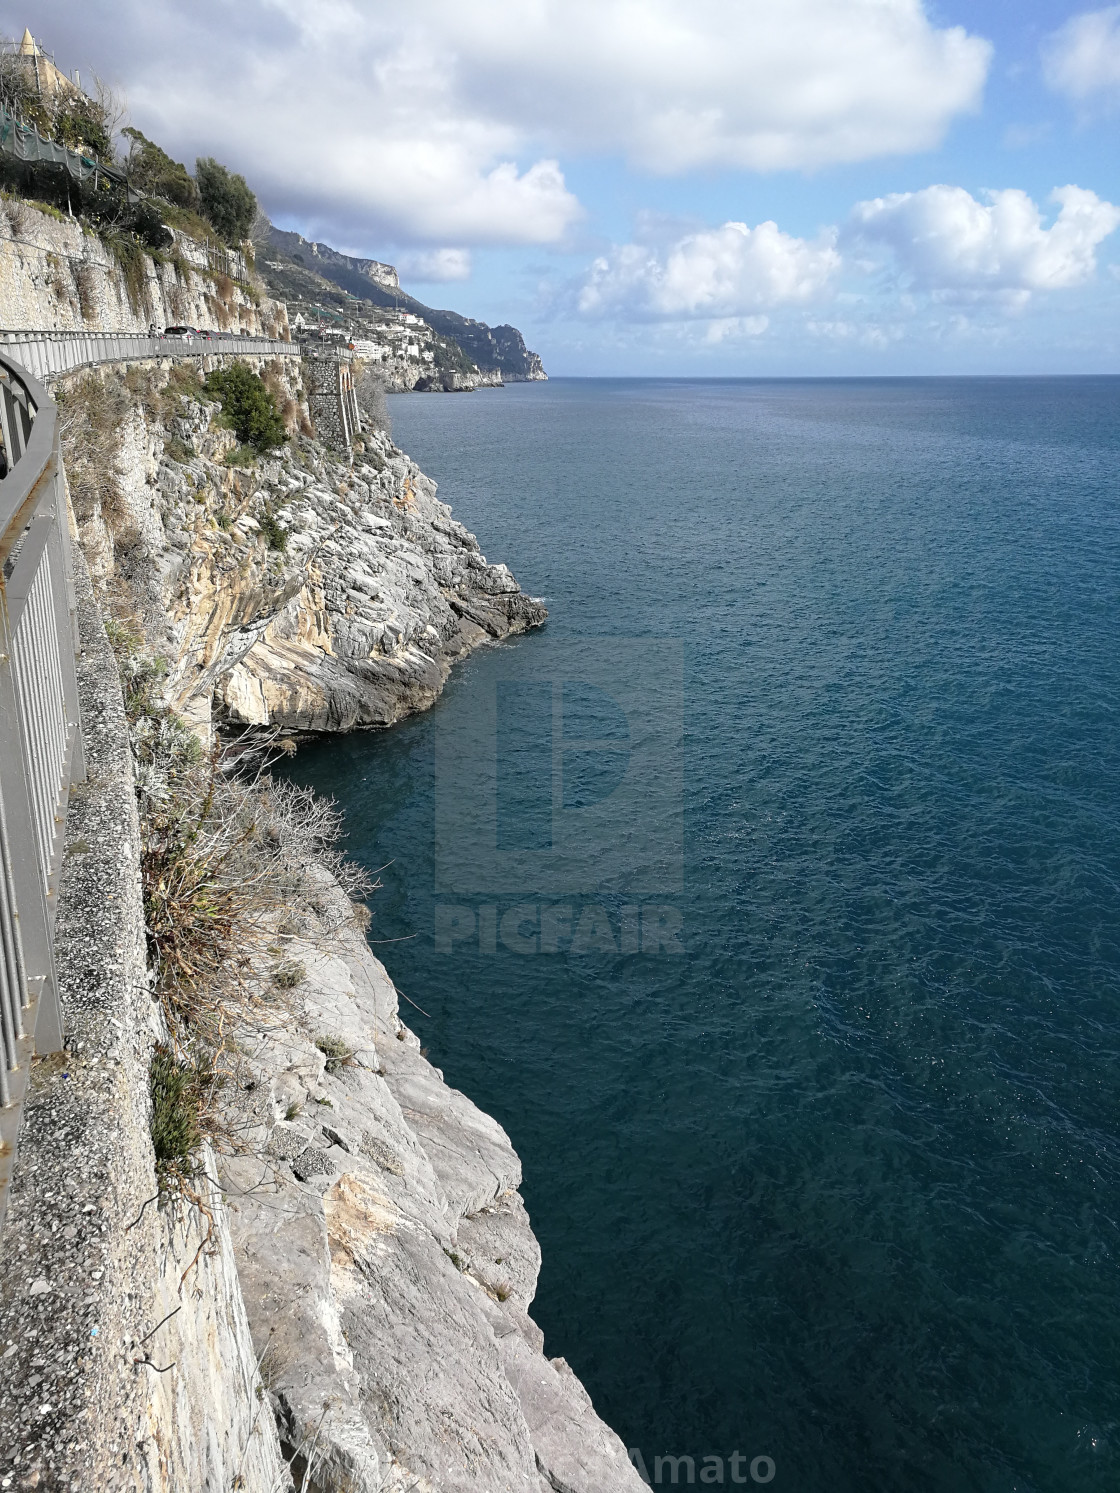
x: 672, y: 186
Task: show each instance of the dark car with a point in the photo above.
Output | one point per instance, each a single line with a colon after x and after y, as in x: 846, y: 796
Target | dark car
x: 207, y: 336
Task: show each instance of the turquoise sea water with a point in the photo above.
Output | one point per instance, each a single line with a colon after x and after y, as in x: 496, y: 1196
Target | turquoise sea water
x: 837, y: 1185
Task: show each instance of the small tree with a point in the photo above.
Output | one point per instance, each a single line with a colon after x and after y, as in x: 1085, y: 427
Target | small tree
x: 226, y: 199
x: 247, y: 407
x: 151, y: 169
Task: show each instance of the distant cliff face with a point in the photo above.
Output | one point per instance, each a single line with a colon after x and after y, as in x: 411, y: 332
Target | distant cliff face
x: 293, y: 269
x: 320, y: 257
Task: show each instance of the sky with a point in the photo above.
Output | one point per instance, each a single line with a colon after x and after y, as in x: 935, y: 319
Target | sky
x: 670, y: 187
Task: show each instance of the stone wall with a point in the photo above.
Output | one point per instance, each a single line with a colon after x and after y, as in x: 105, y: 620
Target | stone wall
x: 331, y: 399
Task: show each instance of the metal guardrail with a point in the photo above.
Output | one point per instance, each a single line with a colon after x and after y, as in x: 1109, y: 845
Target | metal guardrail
x: 48, y: 355
x: 40, y: 733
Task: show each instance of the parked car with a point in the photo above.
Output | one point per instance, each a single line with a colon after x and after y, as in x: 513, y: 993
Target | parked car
x: 178, y: 331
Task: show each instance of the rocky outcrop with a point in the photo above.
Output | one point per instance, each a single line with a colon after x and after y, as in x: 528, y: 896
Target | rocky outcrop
x: 301, y: 592
x: 386, y: 1257
x: 322, y: 257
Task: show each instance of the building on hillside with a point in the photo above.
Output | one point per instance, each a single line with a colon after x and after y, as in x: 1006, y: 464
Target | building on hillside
x: 49, y: 81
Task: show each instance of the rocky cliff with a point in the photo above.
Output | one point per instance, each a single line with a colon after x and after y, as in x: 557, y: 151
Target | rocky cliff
x: 56, y: 274
x: 309, y: 273
x: 322, y: 257
x: 385, y: 1265
x: 386, y: 1257
x: 301, y: 592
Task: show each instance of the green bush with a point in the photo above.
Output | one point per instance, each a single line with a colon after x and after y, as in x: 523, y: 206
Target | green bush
x: 226, y: 199
x: 176, y: 1104
x: 84, y: 124
x: 150, y: 228
x: 274, y: 534
x: 247, y: 407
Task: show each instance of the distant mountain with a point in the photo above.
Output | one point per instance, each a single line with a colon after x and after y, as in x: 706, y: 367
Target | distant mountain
x: 330, y: 263
x: 290, y: 265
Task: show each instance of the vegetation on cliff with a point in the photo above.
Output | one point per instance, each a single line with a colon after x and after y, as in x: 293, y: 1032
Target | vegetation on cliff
x: 226, y: 200
x: 248, y: 407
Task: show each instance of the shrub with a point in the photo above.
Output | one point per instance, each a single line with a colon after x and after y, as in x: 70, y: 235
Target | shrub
x: 92, y: 417
x: 371, y: 390
x: 226, y: 199
x: 133, y: 263
x: 177, y: 1090
x: 336, y: 1052
x: 85, y: 123
x: 151, y: 169
x: 176, y: 450
x: 247, y: 407
x: 275, y: 535
x: 288, y: 975
x: 149, y: 227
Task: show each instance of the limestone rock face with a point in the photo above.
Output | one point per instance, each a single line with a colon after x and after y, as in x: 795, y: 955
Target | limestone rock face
x: 387, y: 1261
x: 300, y: 592
x: 55, y: 276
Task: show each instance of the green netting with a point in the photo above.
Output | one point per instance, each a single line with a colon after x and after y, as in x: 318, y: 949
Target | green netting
x: 23, y: 143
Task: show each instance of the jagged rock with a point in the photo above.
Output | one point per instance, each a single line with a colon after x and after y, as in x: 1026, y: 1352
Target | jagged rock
x: 301, y: 593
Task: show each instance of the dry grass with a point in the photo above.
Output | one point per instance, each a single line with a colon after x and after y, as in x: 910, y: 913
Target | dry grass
x: 224, y: 859
x: 92, y: 415
x: 335, y: 1050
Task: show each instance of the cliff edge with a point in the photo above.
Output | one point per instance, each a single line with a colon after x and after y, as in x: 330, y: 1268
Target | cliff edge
x: 297, y: 591
x: 386, y: 1257
x: 366, y: 1286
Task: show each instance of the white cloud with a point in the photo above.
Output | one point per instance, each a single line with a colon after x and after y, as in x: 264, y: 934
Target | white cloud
x: 443, y: 122
x: 676, y: 85
x: 863, y: 334
x: 435, y: 265
x: 945, y: 241
x: 734, y: 329
x: 713, y: 274
x: 1082, y: 58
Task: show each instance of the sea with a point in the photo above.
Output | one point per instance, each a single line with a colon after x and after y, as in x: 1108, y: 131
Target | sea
x: 769, y: 897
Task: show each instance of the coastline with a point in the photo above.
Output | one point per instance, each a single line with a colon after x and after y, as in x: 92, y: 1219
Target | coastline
x: 363, y: 1240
